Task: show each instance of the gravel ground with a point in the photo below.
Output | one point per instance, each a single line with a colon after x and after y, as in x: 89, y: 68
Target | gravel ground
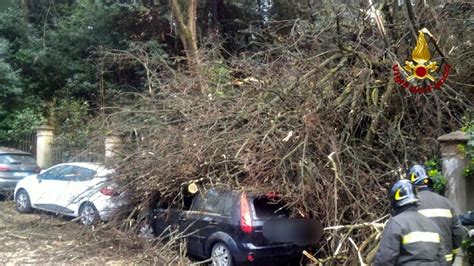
x: 40, y: 238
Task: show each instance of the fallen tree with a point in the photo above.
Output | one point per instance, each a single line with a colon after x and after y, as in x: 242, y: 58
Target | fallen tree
x: 314, y: 115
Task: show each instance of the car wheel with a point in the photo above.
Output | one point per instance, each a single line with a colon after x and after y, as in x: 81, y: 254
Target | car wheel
x: 22, y: 202
x: 220, y: 255
x: 88, y: 214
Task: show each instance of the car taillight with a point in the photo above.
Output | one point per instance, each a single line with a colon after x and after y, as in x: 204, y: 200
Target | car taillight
x: 107, y: 191
x: 245, y: 219
x: 250, y: 257
x: 4, y: 168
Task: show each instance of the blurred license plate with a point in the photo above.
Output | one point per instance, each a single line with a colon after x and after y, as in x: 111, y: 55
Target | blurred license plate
x: 21, y: 174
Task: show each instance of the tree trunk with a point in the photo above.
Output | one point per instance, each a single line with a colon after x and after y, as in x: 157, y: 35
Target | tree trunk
x: 25, y: 6
x: 187, y: 31
x: 214, y: 16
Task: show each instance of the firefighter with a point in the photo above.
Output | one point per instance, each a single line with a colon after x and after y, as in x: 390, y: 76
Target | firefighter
x: 409, y: 238
x: 439, y: 210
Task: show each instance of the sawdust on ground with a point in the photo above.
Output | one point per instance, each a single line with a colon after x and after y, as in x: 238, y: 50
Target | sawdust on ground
x: 41, y: 238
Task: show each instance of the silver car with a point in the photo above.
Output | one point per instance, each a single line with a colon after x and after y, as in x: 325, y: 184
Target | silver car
x: 14, y: 165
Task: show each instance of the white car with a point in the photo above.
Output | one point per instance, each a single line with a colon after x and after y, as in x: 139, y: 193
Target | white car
x: 73, y: 189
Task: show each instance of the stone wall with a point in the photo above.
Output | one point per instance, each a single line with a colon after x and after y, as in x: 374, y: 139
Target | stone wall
x: 460, y: 191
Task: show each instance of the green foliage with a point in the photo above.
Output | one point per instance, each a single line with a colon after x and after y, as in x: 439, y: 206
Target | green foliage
x: 466, y: 243
x: 14, y: 29
x: 69, y: 116
x: 219, y: 73
x: 468, y: 247
x: 468, y: 149
x: 21, y: 123
x: 47, y: 60
x: 62, y: 62
x: 71, y: 120
x: 19, y: 115
x: 9, y: 80
x: 433, y: 167
x: 220, y: 77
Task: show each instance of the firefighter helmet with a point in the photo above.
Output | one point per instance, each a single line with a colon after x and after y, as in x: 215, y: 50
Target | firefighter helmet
x: 417, y: 175
x: 402, y: 193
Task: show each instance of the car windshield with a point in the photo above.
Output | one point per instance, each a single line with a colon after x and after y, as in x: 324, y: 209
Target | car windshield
x: 17, y: 159
x: 266, y: 207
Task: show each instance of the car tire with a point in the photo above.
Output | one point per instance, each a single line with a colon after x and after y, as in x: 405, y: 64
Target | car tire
x: 88, y: 214
x: 221, y: 255
x: 22, y: 202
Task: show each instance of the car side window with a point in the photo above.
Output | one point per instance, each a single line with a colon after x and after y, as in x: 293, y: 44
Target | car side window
x: 229, y: 201
x: 84, y: 174
x: 198, y: 202
x: 56, y: 173
x: 211, y: 201
x: 69, y: 174
x: 215, y: 201
x: 72, y: 173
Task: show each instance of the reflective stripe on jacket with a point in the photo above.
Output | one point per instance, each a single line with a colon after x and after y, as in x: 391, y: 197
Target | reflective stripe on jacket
x: 410, y: 238
x: 438, y: 209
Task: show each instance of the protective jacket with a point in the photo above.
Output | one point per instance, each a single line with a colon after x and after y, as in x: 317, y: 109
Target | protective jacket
x: 441, y: 212
x: 410, y: 238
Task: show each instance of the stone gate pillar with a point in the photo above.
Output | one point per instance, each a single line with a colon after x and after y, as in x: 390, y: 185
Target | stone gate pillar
x: 460, y: 191
x: 112, y: 144
x: 44, y: 150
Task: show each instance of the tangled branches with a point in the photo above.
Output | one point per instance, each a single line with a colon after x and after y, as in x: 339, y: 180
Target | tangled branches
x: 314, y: 114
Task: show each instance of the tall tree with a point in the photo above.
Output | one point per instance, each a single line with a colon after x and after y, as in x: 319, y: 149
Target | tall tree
x: 187, y: 30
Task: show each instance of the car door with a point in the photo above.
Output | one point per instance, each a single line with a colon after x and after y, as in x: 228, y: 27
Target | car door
x: 166, y: 221
x: 81, y: 187
x: 171, y: 221
x: 189, y: 224
x: 50, y: 186
x: 205, y: 218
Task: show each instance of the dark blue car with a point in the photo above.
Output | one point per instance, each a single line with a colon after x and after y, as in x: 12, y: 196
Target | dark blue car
x: 228, y: 226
